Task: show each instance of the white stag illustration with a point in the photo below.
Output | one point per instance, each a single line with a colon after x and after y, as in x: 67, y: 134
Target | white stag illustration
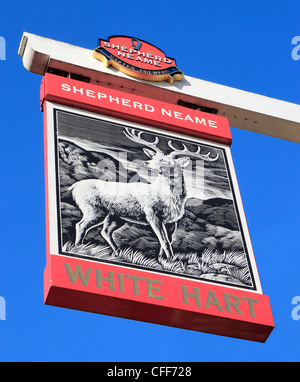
x: 159, y: 204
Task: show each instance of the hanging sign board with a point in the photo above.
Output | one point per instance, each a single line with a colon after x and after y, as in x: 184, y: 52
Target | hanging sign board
x: 145, y: 221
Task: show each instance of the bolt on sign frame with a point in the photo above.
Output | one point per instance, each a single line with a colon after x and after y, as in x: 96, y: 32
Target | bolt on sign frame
x: 144, y: 216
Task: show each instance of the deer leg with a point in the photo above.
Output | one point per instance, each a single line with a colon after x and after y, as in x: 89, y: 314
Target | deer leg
x: 170, y: 228
x: 88, y: 221
x: 162, y: 235
x: 110, y: 225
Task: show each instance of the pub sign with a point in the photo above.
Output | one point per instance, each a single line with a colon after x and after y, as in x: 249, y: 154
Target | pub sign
x: 144, y: 219
x: 144, y: 216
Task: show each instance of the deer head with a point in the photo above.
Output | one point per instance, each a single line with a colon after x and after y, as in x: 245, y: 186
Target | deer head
x: 168, y: 166
x: 161, y: 162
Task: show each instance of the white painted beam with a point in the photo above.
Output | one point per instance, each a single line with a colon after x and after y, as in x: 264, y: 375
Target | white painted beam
x: 245, y: 110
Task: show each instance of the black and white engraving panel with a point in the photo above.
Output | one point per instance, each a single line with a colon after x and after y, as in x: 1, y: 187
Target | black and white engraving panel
x: 143, y: 197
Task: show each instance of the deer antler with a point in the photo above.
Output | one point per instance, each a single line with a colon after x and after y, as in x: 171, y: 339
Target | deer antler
x: 137, y: 137
x: 195, y: 154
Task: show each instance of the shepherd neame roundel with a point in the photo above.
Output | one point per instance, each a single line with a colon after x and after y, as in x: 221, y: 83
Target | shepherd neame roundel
x: 137, y: 58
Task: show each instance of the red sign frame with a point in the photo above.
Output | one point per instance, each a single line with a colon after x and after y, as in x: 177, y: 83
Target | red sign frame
x: 132, y: 293
x: 135, y: 108
x: 160, y: 299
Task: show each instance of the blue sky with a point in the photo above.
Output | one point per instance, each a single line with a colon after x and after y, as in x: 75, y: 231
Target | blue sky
x: 246, y: 45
